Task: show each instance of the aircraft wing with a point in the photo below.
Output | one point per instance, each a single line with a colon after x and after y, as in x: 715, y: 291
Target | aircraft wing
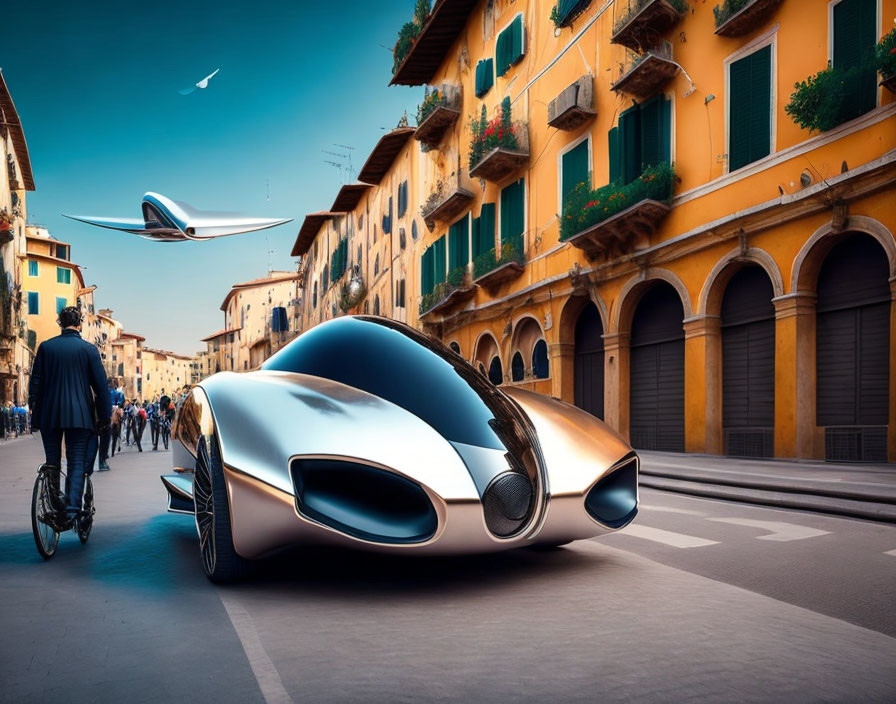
x: 136, y: 226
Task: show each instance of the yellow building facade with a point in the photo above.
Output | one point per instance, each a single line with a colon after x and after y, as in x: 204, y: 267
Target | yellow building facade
x: 732, y: 292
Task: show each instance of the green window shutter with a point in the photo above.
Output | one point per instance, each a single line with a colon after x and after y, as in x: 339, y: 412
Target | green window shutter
x: 855, y: 35
x: 615, y: 155
x: 512, y: 211
x: 502, y: 52
x: 630, y: 144
x: 439, y: 270
x: 33, y: 303
x: 474, y: 232
x: 749, y: 109
x: 651, y: 118
x: 509, y: 45
x: 426, y: 272
x: 32, y: 268
x: 484, y: 76
x: 484, y: 230
x: 516, y: 36
x: 666, y: 130
x: 574, y: 170
x: 60, y: 304
x: 462, y: 240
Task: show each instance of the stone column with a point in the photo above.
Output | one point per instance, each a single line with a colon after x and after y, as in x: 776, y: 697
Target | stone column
x: 562, y: 359
x: 617, y: 357
x: 796, y: 432
x: 703, y: 384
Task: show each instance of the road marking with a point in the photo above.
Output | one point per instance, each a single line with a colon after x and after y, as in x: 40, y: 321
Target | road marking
x: 778, y: 530
x: 266, y: 674
x: 890, y: 552
x: 671, y: 509
x: 666, y: 537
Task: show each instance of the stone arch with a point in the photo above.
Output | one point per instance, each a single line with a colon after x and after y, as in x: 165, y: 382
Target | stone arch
x: 573, y: 307
x: 485, y: 347
x: 710, y: 300
x: 634, y: 288
x: 527, y: 331
x: 807, y: 264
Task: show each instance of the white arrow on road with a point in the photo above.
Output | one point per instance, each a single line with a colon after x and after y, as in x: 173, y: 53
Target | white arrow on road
x: 666, y: 537
x: 778, y: 530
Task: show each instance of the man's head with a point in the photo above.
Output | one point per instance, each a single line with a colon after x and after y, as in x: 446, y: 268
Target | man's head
x: 69, y: 318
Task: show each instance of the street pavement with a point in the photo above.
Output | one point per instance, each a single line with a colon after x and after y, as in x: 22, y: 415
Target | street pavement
x: 698, y: 600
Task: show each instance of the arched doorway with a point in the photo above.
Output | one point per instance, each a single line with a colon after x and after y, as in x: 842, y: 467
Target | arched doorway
x: 588, y: 369
x: 748, y: 364
x: 657, y: 371
x: 852, y: 350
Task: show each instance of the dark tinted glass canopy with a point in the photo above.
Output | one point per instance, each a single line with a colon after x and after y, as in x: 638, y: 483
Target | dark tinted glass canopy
x: 401, y: 365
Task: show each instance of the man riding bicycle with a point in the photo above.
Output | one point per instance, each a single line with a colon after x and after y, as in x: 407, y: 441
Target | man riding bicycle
x: 70, y: 402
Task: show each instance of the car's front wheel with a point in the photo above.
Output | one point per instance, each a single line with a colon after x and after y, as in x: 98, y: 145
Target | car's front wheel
x: 220, y: 559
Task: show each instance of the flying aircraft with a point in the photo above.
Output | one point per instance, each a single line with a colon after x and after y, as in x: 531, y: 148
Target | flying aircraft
x: 202, y: 84
x: 165, y: 220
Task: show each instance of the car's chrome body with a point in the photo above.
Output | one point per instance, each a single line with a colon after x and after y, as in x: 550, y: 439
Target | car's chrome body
x: 166, y: 220
x: 477, y: 468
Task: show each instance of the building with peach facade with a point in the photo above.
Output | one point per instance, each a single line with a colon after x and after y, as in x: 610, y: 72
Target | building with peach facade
x: 627, y: 205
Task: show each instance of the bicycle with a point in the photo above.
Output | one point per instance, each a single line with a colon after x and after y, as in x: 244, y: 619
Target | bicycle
x: 48, y: 520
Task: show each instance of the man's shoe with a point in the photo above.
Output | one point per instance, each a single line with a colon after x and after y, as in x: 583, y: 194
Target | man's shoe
x: 104, y: 467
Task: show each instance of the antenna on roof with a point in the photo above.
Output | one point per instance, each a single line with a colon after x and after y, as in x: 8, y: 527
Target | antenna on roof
x: 270, y: 256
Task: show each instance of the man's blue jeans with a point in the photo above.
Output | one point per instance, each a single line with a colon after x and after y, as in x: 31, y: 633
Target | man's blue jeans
x: 80, y: 451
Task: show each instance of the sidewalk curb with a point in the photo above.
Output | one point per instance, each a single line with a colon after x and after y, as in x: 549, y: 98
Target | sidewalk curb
x: 876, y: 511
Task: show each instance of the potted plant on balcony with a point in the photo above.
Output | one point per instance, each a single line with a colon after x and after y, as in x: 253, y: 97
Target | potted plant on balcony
x: 586, y: 208
x: 407, y: 35
x: 496, y: 147
x: 828, y: 98
x: 6, y: 226
x: 885, y: 56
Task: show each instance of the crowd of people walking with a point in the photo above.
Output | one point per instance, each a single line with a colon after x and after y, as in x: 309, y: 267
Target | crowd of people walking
x: 14, y: 421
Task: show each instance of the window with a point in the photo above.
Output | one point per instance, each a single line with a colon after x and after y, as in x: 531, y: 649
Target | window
x: 454, y: 346
x: 387, y: 219
x: 750, y: 108
x: 517, y: 367
x: 33, y: 268
x: 314, y: 296
x: 513, y: 215
x: 574, y: 169
x: 376, y: 266
x: 432, y: 266
x: 484, y: 230
x: 540, y: 364
x: 854, y: 38
x: 376, y: 304
x: 60, y: 304
x: 33, y: 303
x: 509, y: 47
x: 485, y: 76
x: 402, y: 198
x: 62, y: 251
x: 642, y: 138
x: 495, y: 371
x: 63, y: 275
x: 459, y: 244
x: 399, y: 294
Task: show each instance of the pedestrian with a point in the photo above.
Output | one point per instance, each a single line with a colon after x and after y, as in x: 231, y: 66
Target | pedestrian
x: 115, y: 423
x: 130, y: 411
x: 70, y: 403
x: 105, y: 437
x: 139, y: 425
x: 4, y: 420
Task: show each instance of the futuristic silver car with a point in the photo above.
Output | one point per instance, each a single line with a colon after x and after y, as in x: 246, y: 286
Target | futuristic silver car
x: 365, y: 432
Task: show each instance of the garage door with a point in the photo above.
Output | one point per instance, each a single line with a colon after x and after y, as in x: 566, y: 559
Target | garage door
x: 852, y: 347
x: 657, y: 372
x: 748, y: 364
x: 589, y: 362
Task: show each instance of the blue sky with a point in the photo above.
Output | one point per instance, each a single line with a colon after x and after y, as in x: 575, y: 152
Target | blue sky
x: 96, y: 88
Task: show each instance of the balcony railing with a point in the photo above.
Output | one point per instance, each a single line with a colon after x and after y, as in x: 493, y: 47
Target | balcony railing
x: 498, y: 147
x: 458, y: 288
x: 493, y: 268
x: 439, y: 110
x: 645, y: 21
x: 735, y: 18
x: 648, y: 73
x: 445, y: 203
x: 574, y: 106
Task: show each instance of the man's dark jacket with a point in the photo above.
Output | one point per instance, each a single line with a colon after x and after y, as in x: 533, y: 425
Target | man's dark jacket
x: 68, y: 387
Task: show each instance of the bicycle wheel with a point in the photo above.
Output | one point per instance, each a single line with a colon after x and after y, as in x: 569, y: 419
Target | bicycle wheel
x: 85, y: 521
x: 43, y: 515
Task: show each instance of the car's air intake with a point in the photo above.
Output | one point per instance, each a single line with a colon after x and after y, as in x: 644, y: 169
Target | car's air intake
x: 363, y: 501
x: 613, y: 501
x: 507, y: 503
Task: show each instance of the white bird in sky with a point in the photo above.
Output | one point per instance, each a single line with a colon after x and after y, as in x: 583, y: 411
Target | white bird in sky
x: 202, y: 84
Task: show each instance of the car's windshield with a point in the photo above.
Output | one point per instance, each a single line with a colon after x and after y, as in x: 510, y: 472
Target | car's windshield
x: 403, y: 366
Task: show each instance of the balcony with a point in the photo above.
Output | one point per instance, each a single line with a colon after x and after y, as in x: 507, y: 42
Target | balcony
x: 616, y: 219
x: 629, y: 230
x: 445, y: 203
x: 734, y: 18
x: 889, y: 83
x: 499, y: 147
x: 646, y: 21
x: 574, y: 106
x: 491, y: 271
x: 647, y: 74
x: 439, y: 110
x: 458, y: 288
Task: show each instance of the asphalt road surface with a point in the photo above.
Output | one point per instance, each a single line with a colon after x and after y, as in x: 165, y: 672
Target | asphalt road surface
x: 698, y: 600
